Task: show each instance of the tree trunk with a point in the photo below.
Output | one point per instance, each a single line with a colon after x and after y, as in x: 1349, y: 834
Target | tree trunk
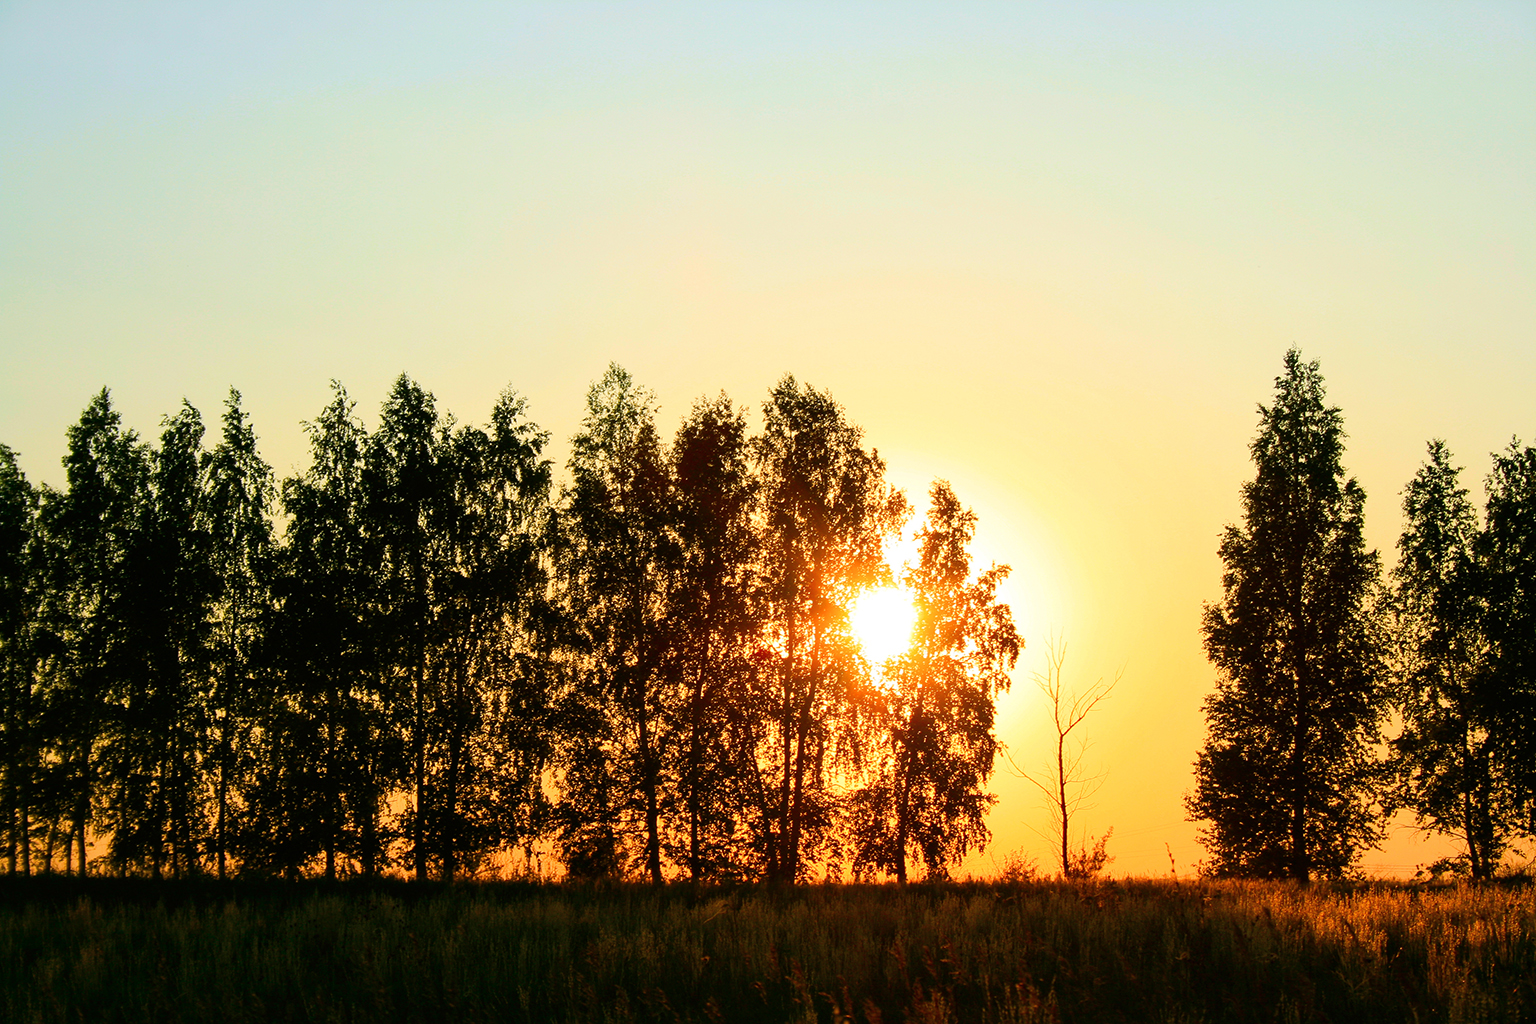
x: 83, y: 815
x: 1300, y: 868
x: 782, y: 870
x: 450, y: 809
x: 331, y: 797
x: 226, y: 748
x: 370, y: 835
x: 12, y: 817
x: 1061, y: 800
x: 802, y: 733
x: 695, y: 867
x: 12, y: 811
x: 648, y: 782
x: 419, y: 774
x: 24, y: 785
x: 1469, y: 817
x: 223, y: 799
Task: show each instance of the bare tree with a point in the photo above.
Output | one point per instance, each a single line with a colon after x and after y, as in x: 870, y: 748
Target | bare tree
x: 1064, y: 783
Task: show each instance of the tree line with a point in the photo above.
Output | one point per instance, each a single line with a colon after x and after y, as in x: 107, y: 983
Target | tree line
x: 421, y: 654
x: 1319, y: 656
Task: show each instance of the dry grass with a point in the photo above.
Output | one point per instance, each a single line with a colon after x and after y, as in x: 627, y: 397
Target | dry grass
x: 1131, y: 951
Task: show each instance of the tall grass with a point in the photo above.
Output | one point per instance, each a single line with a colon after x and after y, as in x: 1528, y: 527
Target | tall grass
x: 98, y: 950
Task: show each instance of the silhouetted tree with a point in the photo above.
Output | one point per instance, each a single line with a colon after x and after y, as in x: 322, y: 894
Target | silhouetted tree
x: 89, y: 531
x: 489, y: 715
x: 1288, y: 778
x: 616, y: 568
x: 1507, y: 554
x: 406, y: 490
x: 153, y: 742
x: 1444, y: 761
x: 18, y: 613
x: 1065, y: 783
x: 713, y: 636
x: 826, y: 512
x: 325, y: 751
x: 936, y: 747
x: 239, y: 501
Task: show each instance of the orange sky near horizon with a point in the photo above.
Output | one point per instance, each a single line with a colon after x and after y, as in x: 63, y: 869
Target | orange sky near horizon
x: 1053, y: 255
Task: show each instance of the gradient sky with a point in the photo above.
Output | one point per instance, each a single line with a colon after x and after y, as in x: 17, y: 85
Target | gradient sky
x: 1053, y: 253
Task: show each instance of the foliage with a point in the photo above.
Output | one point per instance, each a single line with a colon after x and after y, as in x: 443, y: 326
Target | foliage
x: 826, y: 513
x: 1507, y: 552
x: 618, y: 563
x: 238, y: 504
x: 18, y: 659
x: 91, y: 534
x: 324, y: 755
x: 409, y: 655
x: 415, y: 654
x: 1448, y: 765
x: 1287, y: 781
x: 1086, y: 862
x: 935, y: 747
x: 713, y: 640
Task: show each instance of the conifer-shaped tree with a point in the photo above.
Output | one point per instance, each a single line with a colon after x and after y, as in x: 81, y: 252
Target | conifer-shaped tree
x: 405, y: 493
x: 325, y: 754
x: 488, y: 711
x: 1287, y: 779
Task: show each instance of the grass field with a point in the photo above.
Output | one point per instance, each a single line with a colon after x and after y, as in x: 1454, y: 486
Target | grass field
x: 134, y: 950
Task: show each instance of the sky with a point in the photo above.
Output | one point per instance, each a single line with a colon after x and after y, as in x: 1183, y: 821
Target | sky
x: 1052, y: 253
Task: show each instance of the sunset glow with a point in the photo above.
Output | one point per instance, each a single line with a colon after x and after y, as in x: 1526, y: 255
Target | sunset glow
x: 1052, y: 254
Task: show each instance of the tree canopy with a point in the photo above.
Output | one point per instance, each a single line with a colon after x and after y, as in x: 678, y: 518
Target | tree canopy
x: 1287, y: 781
x: 418, y: 655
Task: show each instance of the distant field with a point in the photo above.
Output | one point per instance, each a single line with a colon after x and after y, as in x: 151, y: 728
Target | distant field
x: 106, y: 950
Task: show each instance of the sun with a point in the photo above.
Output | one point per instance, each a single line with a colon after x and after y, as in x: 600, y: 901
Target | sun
x: 882, y: 621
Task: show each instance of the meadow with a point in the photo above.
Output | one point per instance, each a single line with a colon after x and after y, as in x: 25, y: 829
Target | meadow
x: 1135, y: 950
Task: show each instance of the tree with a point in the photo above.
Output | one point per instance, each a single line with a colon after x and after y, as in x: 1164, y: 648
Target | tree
x: 713, y: 634
x: 239, y: 501
x: 405, y: 492
x: 324, y: 752
x: 489, y: 711
x: 18, y: 710
x: 826, y: 512
x: 1445, y: 751
x: 617, y: 562
x: 153, y: 745
x: 1507, y: 552
x: 89, y: 531
x: 1065, y: 784
x: 1287, y: 777
x: 927, y: 799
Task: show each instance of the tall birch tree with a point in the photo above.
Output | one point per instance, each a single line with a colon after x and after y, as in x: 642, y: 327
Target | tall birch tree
x: 1288, y: 778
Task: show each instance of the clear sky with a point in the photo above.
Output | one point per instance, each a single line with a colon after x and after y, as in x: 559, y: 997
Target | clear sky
x: 1053, y: 253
